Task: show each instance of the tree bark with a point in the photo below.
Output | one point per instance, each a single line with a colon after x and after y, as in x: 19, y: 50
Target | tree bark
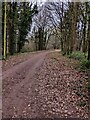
x: 89, y: 37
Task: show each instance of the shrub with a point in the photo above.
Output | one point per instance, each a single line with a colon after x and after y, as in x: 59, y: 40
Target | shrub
x: 85, y: 65
x: 78, y: 55
x: 82, y: 57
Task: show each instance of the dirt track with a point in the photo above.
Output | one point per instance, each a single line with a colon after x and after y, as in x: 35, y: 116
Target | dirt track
x: 18, y: 77
x: 44, y: 86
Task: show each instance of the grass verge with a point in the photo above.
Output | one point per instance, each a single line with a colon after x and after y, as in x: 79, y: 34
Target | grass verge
x: 82, y: 57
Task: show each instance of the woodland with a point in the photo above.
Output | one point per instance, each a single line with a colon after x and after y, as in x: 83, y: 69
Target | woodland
x: 67, y: 23
x: 46, y: 59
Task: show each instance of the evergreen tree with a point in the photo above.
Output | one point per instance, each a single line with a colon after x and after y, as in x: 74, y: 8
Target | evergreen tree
x: 25, y: 21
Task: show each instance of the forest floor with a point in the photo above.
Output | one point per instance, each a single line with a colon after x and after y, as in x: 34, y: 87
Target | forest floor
x: 44, y: 85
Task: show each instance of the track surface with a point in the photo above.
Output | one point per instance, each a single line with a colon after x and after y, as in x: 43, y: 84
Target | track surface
x: 20, y: 77
x: 43, y: 85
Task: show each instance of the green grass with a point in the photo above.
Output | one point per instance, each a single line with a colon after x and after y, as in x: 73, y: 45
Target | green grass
x: 78, y: 55
x: 85, y: 65
x: 82, y: 57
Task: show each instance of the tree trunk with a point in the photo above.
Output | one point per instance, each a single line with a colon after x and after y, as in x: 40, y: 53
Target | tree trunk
x: 40, y: 39
x: 89, y: 37
x: 62, y: 28
x: 12, y: 41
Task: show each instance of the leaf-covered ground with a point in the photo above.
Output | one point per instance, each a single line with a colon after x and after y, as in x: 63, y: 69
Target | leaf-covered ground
x: 16, y: 59
x: 59, y: 90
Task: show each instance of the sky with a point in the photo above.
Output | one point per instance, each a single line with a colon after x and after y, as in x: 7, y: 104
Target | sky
x: 39, y: 1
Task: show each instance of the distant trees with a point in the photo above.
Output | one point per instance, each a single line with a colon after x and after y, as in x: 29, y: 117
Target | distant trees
x: 68, y: 22
x: 55, y: 14
x: 19, y: 20
x: 25, y: 21
x: 72, y: 19
x: 41, y: 28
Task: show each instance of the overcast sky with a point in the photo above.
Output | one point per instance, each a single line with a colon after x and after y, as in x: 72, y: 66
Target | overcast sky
x: 39, y: 1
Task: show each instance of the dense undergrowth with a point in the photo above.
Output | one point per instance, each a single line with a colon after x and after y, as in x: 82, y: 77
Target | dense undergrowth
x: 82, y: 57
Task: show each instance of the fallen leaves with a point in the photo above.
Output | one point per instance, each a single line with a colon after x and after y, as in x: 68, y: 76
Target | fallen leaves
x: 14, y: 60
x: 58, y: 81
x: 59, y: 90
